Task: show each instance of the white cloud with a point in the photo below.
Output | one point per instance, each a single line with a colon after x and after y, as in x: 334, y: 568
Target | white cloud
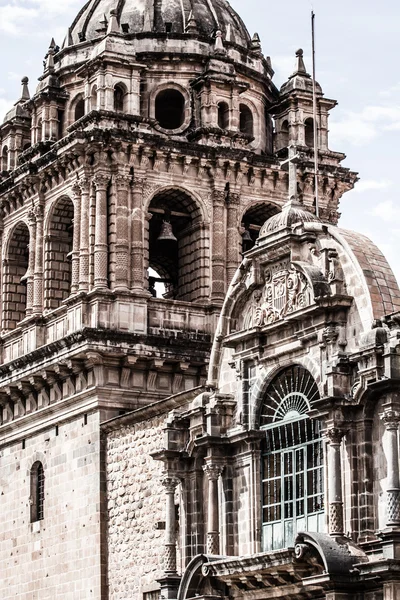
x: 361, y: 128
x: 387, y: 211
x: 372, y: 184
x: 13, y: 18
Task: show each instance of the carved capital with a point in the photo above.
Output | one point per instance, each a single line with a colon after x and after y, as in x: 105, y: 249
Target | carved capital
x: 101, y: 181
x: 213, y: 470
x: 169, y: 483
x: 219, y: 196
x: 122, y: 180
x: 335, y: 435
x: 391, y: 419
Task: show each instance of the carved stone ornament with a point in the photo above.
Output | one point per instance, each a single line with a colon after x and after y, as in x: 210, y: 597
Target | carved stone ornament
x: 285, y: 291
x: 391, y: 419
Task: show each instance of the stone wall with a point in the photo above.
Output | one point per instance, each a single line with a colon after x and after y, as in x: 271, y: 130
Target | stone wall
x: 135, y: 505
x: 58, y: 557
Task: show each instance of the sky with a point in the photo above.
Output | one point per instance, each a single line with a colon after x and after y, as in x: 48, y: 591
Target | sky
x: 357, y: 51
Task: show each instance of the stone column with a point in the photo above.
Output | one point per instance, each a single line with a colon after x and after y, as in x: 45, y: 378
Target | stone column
x: 213, y: 472
x: 170, y: 484
x: 137, y: 235
x: 218, y: 247
x: 31, y: 262
x: 122, y: 234
x: 391, y: 418
x: 335, y: 498
x: 232, y: 235
x: 39, y: 259
x: 76, y: 242
x: 84, y: 231
x: 101, y: 181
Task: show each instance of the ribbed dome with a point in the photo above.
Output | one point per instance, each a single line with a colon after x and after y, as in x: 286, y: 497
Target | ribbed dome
x: 292, y: 213
x: 158, y: 16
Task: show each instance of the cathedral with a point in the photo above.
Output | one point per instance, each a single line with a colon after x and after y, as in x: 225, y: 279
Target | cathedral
x: 199, y: 370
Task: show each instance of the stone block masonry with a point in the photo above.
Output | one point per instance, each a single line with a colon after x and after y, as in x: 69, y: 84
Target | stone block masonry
x: 58, y: 557
x: 136, y: 503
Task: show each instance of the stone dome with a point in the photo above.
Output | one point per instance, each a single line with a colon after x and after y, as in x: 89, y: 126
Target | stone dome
x: 300, y: 80
x: 203, y: 17
x: 292, y: 213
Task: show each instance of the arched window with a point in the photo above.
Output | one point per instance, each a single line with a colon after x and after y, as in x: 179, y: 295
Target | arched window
x: 15, y: 280
x: 177, y: 247
x: 170, y: 109
x: 40, y: 130
x: 292, y: 460
x: 58, y: 268
x: 37, y: 492
x: 252, y: 221
x: 79, y: 109
x: 284, y: 134
x: 246, y: 120
x: 309, y: 132
x: 119, y: 97
x: 223, y: 115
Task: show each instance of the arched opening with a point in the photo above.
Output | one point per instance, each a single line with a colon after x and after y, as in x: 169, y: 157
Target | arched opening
x: 37, y: 492
x: 292, y: 460
x: 79, y: 109
x: 170, y: 109
x: 246, y: 120
x: 223, y: 115
x: 119, y: 98
x: 177, y: 247
x: 59, y: 239
x: 284, y: 134
x: 4, y: 159
x: 252, y: 221
x: 40, y: 130
x: 15, y: 278
x: 309, y: 132
x: 93, y: 98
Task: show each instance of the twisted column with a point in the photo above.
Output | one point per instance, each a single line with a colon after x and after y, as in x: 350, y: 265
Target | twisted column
x: 76, y: 190
x: 122, y: 238
x: 137, y: 235
x: 39, y: 259
x: 232, y: 235
x: 218, y: 247
x: 29, y: 276
x: 335, y: 497
x: 213, y: 472
x: 101, y: 233
x: 170, y: 484
x: 84, y: 267
x: 391, y: 418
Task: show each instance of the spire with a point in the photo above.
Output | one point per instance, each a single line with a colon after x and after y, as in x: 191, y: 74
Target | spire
x: 113, y: 26
x: 25, y: 91
x: 50, y: 59
x: 300, y: 68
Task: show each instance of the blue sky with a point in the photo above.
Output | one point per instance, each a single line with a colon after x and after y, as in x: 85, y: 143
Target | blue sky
x: 358, y: 46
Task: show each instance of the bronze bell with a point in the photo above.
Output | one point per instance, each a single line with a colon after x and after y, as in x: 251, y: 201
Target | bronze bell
x: 166, y: 233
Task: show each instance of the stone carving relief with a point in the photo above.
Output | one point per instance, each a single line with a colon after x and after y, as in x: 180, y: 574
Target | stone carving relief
x: 285, y: 291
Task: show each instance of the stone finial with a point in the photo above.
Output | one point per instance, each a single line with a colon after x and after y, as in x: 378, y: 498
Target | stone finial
x: 300, y: 68
x: 25, y: 90
x: 50, y: 59
x: 219, y: 44
x: 191, y: 26
x: 113, y: 26
x: 256, y: 43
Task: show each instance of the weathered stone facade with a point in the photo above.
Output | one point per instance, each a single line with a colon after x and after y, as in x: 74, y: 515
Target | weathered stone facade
x: 198, y: 370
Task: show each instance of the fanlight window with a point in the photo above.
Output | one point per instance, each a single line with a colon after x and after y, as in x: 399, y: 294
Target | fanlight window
x: 292, y: 461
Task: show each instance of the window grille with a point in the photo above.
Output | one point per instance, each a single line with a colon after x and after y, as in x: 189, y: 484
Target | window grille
x: 37, y: 492
x: 292, y: 460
